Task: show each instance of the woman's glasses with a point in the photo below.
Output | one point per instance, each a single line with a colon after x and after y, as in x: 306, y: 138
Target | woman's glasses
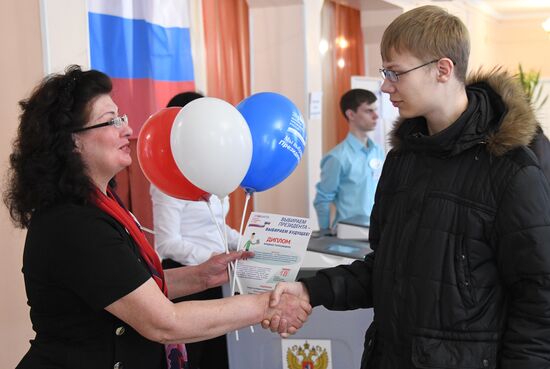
x: 118, y: 122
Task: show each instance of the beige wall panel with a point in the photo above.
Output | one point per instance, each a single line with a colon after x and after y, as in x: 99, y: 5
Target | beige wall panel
x: 279, y: 65
x: 20, y: 68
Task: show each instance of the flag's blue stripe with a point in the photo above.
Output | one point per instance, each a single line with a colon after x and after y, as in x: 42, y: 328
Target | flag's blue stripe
x: 134, y: 48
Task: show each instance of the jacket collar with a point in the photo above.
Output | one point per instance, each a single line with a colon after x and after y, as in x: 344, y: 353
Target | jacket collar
x: 498, y: 114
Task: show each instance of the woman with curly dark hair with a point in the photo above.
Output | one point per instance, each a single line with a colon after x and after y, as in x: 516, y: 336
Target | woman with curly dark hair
x: 97, y: 292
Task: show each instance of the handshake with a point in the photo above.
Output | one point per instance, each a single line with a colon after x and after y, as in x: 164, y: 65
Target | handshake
x: 287, y: 308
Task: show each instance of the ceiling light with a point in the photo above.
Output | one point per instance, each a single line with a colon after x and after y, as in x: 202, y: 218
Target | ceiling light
x: 342, y: 42
x: 323, y: 46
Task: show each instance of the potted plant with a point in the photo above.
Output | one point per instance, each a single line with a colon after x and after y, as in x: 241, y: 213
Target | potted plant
x: 533, y: 89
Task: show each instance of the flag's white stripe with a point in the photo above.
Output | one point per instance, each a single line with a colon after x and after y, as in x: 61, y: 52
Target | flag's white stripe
x: 165, y: 13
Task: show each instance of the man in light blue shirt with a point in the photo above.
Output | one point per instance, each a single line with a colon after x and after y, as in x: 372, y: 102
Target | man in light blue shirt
x: 350, y: 171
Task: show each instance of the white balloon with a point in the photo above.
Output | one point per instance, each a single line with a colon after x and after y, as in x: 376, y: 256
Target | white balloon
x: 212, y: 145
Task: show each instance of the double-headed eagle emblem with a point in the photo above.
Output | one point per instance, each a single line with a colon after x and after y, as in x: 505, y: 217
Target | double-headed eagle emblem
x: 306, y: 357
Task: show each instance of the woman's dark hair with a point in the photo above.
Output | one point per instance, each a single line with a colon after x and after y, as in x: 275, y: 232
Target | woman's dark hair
x: 45, y: 167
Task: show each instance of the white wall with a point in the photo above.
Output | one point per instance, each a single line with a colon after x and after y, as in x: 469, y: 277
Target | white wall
x: 198, y: 50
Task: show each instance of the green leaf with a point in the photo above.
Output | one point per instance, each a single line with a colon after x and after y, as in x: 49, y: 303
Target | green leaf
x: 530, y: 83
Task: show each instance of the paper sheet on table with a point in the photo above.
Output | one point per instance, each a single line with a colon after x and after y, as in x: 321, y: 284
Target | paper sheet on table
x: 279, y: 243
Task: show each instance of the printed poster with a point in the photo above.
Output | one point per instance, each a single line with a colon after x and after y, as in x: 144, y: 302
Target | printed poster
x: 279, y: 243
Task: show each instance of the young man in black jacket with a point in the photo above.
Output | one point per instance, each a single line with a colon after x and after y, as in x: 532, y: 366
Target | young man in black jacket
x: 460, y: 273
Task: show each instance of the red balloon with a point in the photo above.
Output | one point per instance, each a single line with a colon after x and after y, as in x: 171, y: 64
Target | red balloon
x: 156, y: 160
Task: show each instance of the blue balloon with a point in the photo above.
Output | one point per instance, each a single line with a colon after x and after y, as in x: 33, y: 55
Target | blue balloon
x: 278, y: 139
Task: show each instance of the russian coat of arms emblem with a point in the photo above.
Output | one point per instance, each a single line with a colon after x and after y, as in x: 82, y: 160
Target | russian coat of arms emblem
x: 307, y: 356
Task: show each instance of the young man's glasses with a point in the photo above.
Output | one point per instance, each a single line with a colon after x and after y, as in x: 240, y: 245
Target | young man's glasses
x: 394, y: 76
x: 118, y: 122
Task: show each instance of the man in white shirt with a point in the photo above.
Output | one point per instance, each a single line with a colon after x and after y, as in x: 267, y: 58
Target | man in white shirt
x: 185, y: 234
x: 184, y: 230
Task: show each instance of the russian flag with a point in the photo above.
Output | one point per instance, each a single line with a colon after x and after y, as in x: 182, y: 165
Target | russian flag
x: 145, y: 47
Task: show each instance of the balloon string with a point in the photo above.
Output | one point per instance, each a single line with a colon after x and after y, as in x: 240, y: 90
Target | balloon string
x: 235, y: 277
x: 225, y: 227
x: 224, y: 240
x: 217, y: 225
x: 224, y: 237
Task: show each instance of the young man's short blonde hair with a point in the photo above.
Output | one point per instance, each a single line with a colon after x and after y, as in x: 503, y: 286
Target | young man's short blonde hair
x: 428, y: 33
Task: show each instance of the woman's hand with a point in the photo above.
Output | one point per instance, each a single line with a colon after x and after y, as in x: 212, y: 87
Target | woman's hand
x: 213, y: 272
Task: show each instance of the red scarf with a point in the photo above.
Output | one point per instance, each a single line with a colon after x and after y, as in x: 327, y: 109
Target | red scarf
x: 109, y: 204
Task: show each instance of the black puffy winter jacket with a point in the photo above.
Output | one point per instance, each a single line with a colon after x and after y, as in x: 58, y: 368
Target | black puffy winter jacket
x: 460, y: 273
